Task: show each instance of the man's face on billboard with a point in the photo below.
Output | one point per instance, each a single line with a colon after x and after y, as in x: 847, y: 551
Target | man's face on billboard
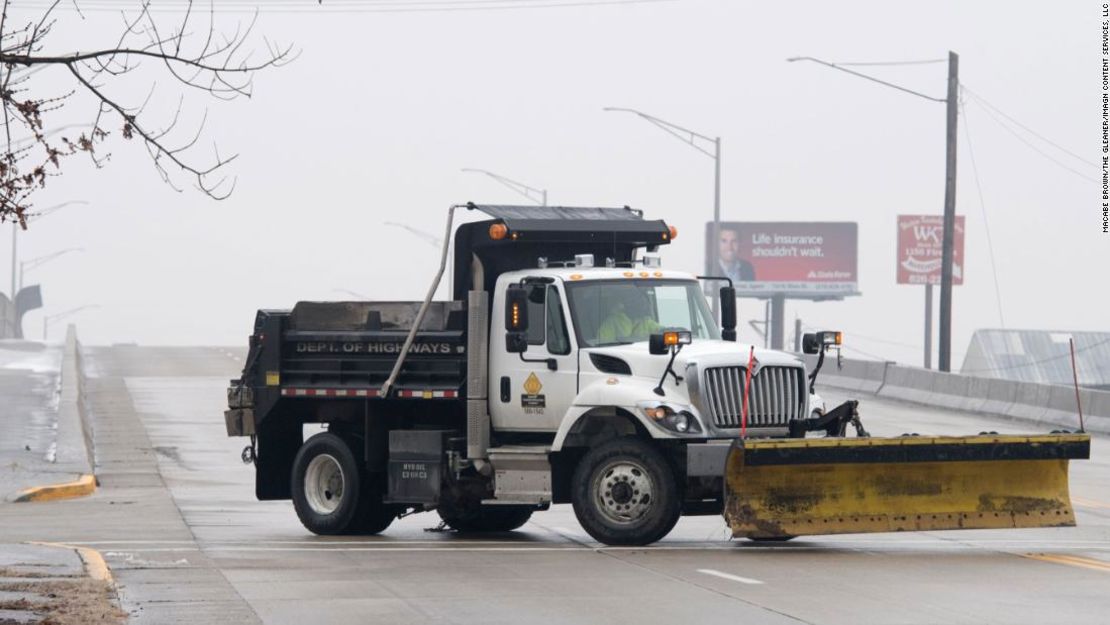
x: 727, y: 246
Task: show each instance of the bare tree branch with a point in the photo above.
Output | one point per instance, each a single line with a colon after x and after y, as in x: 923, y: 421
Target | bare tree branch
x: 215, y: 63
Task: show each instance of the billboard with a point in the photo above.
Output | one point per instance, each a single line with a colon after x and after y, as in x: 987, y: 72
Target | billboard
x: 920, y: 247
x: 806, y: 260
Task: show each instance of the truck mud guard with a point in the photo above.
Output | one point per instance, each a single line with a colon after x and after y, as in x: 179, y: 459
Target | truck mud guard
x: 781, y: 488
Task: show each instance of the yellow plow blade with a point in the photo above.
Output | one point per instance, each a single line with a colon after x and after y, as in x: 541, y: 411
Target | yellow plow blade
x: 797, y: 487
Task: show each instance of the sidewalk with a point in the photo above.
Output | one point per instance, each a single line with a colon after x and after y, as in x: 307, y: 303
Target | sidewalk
x: 44, y: 440
x: 56, y: 583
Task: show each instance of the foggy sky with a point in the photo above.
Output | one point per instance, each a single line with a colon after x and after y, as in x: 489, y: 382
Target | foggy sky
x: 374, y: 120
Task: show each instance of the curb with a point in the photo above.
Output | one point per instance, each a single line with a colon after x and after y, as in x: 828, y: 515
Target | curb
x: 84, y: 485
x: 95, y: 565
x: 72, y: 415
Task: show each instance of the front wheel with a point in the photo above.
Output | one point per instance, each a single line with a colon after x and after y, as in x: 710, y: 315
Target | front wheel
x: 625, y: 493
x: 326, y: 485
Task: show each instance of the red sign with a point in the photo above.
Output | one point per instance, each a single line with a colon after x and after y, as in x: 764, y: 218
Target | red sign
x: 798, y: 259
x: 920, y: 245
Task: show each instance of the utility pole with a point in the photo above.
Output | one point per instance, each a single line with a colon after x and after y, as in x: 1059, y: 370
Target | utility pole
x: 945, y: 355
x: 928, y: 326
x: 952, y: 102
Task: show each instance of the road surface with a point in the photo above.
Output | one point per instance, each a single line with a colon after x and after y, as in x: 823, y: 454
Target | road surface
x: 177, y: 520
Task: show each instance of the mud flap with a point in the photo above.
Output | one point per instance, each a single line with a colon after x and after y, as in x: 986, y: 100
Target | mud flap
x: 797, y: 487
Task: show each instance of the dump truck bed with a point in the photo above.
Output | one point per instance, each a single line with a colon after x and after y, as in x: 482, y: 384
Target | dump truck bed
x: 347, y: 349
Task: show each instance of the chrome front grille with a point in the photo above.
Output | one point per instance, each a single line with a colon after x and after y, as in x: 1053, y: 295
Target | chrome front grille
x: 778, y: 396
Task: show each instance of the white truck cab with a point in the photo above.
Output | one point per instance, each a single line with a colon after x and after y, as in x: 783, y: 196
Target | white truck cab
x: 588, y: 349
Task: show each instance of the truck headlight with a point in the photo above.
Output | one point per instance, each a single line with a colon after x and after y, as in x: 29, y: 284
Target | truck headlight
x: 670, y: 417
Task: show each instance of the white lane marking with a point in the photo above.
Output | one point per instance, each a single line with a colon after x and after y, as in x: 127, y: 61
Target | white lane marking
x: 728, y: 576
x: 570, y: 548
x: 817, y: 542
x: 312, y: 543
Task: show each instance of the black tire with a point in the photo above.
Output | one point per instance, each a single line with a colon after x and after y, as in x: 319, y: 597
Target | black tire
x: 329, y: 504
x: 487, y: 518
x: 372, y: 516
x: 625, y: 514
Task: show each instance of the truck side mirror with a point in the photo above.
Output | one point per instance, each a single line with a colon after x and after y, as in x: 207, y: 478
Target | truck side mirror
x: 728, y: 313
x: 516, y: 319
x: 810, y: 343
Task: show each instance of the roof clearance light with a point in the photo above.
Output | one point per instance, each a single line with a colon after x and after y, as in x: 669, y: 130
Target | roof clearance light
x: 673, y: 232
x: 498, y: 231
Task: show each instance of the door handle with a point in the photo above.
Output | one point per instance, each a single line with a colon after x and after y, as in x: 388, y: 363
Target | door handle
x: 506, y: 392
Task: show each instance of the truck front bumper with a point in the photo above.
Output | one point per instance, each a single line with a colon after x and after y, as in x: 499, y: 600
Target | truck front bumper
x: 707, y: 459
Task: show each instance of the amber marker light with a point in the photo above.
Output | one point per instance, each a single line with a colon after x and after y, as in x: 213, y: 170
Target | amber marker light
x: 516, y: 315
x: 498, y: 231
x: 673, y: 232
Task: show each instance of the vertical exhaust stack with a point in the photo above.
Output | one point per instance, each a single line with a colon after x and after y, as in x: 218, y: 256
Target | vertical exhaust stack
x: 477, y: 402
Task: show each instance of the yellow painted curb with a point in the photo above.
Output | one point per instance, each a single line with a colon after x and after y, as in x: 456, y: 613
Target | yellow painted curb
x: 84, y: 485
x: 95, y: 566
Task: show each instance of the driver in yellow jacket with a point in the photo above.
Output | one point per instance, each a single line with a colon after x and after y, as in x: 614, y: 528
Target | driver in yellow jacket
x: 619, y: 325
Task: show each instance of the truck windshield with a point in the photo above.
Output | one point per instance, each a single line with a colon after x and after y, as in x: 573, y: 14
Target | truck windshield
x: 615, y: 312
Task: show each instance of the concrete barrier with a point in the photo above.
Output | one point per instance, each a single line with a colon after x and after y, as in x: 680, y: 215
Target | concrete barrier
x: 1052, y: 406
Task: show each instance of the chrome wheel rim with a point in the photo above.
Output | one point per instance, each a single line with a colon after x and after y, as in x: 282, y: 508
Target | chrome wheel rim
x: 324, y: 484
x: 624, y: 491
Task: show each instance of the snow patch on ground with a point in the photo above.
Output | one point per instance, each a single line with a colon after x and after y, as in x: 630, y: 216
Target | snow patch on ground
x: 30, y: 356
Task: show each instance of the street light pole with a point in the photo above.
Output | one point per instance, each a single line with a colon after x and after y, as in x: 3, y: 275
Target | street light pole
x: 15, y: 230
x: 691, y: 138
x: 532, y: 193
x: 951, y: 102
x: 42, y: 260
x: 15, y: 241
x: 48, y: 319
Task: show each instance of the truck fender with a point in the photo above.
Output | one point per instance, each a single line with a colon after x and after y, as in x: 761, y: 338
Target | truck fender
x: 608, y: 401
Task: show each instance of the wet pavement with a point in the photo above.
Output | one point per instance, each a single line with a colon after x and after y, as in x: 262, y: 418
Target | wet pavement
x: 29, y: 387
x: 177, y: 520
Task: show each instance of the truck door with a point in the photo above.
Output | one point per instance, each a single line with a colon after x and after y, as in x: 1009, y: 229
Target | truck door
x: 525, y: 394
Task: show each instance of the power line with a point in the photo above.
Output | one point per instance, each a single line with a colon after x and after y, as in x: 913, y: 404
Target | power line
x: 873, y: 339
x: 341, y: 6
x: 983, y: 210
x: 983, y: 102
x: 1017, y: 136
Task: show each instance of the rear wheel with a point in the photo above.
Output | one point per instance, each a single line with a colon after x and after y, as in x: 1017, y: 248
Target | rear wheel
x: 625, y: 493
x: 487, y: 518
x: 326, y: 485
x: 372, y: 516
